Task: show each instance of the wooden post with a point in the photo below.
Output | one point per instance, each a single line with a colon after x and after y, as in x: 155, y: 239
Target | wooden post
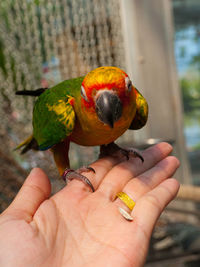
x: 148, y: 41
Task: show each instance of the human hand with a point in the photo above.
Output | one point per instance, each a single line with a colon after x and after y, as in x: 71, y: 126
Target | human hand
x: 76, y: 227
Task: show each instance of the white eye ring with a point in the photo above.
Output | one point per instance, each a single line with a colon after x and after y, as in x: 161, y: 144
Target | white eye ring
x: 83, y: 94
x: 128, y: 84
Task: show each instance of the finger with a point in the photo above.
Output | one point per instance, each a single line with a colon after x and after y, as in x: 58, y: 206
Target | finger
x: 101, y: 166
x: 33, y: 192
x: 149, y: 207
x: 119, y: 176
x: 145, y: 214
x: 148, y: 180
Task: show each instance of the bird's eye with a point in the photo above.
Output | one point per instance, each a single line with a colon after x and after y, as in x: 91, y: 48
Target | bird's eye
x: 128, y: 84
x: 83, y: 94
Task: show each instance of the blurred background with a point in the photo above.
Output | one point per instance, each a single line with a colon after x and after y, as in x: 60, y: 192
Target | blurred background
x: 157, y: 42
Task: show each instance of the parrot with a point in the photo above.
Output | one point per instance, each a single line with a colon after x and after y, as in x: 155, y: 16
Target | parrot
x: 92, y: 110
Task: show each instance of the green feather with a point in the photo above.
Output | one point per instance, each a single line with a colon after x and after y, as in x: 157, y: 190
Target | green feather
x: 53, y: 115
x: 141, y: 114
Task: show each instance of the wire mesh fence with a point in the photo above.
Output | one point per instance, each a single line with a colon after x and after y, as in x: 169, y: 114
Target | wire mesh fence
x: 42, y: 43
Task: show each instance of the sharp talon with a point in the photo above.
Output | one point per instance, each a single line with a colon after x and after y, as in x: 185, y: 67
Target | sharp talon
x: 127, y: 153
x: 69, y: 174
x: 137, y: 155
x: 86, y: 180
x: 91, y: 169
x: 113, y: 149
x: 85, y: 169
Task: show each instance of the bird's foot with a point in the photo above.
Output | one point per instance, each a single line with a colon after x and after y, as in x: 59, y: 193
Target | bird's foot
x: 131, y: 152
x: 69, y: 175
x: 113, y: 149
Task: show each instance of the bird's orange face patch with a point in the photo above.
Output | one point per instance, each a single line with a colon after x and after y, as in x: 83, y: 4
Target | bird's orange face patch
x: 104, y: 78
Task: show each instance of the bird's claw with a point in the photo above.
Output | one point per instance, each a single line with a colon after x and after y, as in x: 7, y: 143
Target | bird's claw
x: 70, y: 174
x: 128, y: 152
x: 113, y: 149
x: 86, y: 169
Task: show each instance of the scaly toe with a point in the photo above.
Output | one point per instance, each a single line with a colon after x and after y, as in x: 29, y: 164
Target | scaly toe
x: 85, y: 169
x: 69, y: 175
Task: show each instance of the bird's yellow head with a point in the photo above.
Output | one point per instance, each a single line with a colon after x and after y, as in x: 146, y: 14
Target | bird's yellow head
x: 106, y: 90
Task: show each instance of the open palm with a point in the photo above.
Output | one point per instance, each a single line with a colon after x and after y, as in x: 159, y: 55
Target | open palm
x: 76, y: 227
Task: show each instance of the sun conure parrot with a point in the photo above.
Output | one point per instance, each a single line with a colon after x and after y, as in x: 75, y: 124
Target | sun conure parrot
x: 93, y: 110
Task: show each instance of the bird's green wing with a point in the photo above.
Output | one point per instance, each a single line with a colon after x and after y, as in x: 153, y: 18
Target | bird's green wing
x: 53, y: 119
x: 141, y: 115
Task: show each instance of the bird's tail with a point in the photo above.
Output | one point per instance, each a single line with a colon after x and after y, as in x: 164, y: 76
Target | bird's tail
x: 29, y: 143
x: 36, y: 92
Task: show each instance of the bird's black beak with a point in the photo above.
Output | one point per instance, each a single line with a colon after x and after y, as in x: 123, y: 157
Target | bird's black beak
x: 108, y: 107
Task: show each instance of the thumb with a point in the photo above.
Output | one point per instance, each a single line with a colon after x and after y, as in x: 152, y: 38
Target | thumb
x: 33, y: 192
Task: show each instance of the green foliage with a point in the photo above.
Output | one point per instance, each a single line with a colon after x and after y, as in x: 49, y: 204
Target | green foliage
x: 37, y: 2
x: 196, y: 61
x: 191, y: 95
